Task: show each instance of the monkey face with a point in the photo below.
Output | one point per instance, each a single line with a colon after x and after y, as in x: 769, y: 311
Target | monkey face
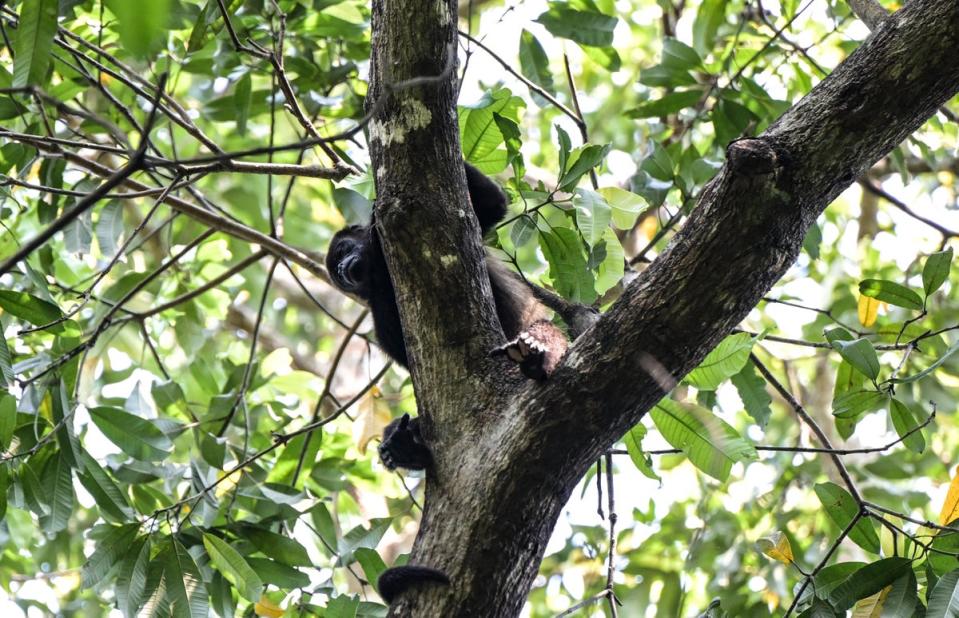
x: 348, y: 260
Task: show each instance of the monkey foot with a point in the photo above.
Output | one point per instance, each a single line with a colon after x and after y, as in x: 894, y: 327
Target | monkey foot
x: 537, y: 350
x: 403, y: 446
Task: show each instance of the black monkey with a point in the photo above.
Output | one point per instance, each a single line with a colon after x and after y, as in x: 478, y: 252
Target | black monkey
x: 356, y: 264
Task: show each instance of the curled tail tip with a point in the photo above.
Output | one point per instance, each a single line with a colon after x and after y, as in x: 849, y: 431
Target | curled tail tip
x: 394, y: 581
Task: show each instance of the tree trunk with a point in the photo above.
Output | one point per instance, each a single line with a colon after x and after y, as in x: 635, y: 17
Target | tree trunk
x: 508, y: 452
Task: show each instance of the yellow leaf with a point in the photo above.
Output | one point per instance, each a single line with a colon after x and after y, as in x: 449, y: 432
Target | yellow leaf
x: 266, y: 607
x: 777, y: 547
x: 950, y: 508
x: 373, y: 416
x: 647, y: 228
x: 868, y: 310
x: 871, y: 607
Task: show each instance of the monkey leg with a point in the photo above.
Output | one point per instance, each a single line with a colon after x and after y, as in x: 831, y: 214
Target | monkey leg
x: 537, y: 350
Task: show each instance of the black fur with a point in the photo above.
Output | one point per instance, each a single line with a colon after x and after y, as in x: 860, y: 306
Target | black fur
x: 393, y: 582
x: 356, y: 264
x: 403, y: 445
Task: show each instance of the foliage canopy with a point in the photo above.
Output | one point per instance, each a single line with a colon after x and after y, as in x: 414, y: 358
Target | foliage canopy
x: 186, y: 408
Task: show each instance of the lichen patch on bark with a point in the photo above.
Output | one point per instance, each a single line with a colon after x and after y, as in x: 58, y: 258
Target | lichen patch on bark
x: 412, y: 115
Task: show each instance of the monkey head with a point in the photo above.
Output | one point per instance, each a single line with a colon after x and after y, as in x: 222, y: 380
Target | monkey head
x: 348, y: 260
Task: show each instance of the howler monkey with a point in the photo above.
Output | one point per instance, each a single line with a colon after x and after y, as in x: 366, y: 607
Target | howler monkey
x: 356, y: 265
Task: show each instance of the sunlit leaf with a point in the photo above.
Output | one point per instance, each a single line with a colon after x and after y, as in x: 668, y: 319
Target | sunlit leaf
x: 231, y: 564
x: 634, y: 446
x: 711, y: 444
x: 950, y: 507
x: 890, y: 292
x: 136, y: 436
x: 584, y: 27
x: 28, y: 307
x: 777, y: 547
x: 38, y: 25
x: 868, y: 310
x: 142, y: 25
x: 724, y: 361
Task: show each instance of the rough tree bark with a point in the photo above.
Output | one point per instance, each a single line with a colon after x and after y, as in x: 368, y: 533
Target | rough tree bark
x: 508, y: 452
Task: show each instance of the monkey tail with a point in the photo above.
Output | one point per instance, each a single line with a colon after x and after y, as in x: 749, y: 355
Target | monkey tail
x: 394, y: 581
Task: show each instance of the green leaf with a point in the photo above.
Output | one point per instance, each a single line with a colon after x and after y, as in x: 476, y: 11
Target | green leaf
x: 726, y: 360
x: 939, y: 361
x: 109, y: 227
x: 278, y: 574
x: 868, y: 580
x: 142, y: 25
x: 902, y: 597
x: 8, y: 419
x: 861, y: 355
x: 132, y: 576
x: 890, y: 292
x: 711, y: 444
x: 343, y: 606
x: 625, y: 205
x: 945, y: 547
x: 592, y: 215
x: 678, y: 55
x: 852, y: 405
x: 568, y: 270
x: 711, y: 15
x: 242, y: 99
x: 904, y: 419
x: 610, y: 270
x: 231, y: 564
x: 109, y: 550
x: 841, y: 509
x: 38, y: 25
x: 936, y: 270
x: 662, y: 76
x: 136, y: 436
x: 533, y: 61
x: 634, y: 446
x: 28, y: 307
x: 277, y: 546
x: 109, y: 497
x: 752, y: 391
x: 371, y: 562
x: 944, y: 598
x: 6, y: 362
x: 667, y: 104
x: 584, y: 27
x: 482, y: 140
x: 522, y: 231
x: 57, y: 482
x: 362, y: 537
x: 186, y: 591
x: 582, y: 160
